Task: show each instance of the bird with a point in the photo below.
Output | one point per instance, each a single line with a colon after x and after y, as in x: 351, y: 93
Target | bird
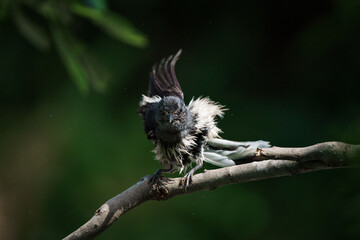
x: 185, y: 135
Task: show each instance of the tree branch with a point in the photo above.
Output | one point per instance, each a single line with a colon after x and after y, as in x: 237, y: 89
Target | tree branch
x: 267, y: 163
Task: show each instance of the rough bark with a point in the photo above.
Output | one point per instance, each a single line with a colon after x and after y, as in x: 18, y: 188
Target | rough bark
x: 267, y: 163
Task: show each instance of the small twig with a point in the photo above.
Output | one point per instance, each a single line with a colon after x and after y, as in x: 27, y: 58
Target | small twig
x: 268, y: 163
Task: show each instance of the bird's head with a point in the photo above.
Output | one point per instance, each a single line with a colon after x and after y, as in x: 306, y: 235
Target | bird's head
x: 172, y: 114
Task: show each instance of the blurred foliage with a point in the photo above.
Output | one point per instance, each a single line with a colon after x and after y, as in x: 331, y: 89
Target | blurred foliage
x: 43, y: 22
x: 288, y: 72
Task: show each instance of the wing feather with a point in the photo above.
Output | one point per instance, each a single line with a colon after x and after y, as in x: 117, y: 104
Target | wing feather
x: 147, y: 111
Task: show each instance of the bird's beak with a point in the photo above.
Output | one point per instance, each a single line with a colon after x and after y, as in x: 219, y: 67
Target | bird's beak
x: 171, y: 118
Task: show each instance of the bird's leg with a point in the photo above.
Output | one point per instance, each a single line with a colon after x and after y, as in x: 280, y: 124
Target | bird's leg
x: 187, y: 179
x: 157, y: 175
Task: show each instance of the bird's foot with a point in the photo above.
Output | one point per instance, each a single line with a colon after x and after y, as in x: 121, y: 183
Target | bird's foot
x: 155, y: 177
x: 187, y: 179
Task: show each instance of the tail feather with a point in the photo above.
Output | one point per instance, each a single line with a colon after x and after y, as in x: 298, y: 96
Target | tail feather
x: 225, y: 153
x: 217, y: 159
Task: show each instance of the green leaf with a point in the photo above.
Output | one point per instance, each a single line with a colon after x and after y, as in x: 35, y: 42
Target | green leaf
x: 96, y: 73
x: 69, y: 52
x: 83, y: 68
x: 4, y: 6
x: 115, y: 25
x: 97, y: 4
x: 48, y: 10
x: 33, y: 32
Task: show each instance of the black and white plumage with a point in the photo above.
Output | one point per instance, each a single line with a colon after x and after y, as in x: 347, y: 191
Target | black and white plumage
x: 180, y: 133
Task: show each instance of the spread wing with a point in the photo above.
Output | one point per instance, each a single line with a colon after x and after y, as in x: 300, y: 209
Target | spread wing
x: 147, y: 111
x: 149, y: 121
x: 163, y: 81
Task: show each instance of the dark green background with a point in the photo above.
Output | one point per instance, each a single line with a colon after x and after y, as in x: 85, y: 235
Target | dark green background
x: 288, y: 71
